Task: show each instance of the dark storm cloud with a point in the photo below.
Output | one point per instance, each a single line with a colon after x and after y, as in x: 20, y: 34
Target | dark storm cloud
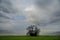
x: 55, y: 33
x: 5, y: 32
x: 2, y: 31
x: 43, y: 3
x: 56, y: 17
x: 4, y: 16
x: 6, y: 9
x: 57, y: 13
x: 6, y: 13
x: 0, y: 1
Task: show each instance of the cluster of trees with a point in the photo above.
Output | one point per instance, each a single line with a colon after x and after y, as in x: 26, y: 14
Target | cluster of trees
x: 33, y: 30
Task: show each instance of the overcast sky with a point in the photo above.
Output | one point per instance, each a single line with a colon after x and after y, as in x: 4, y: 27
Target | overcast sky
x: 17, y: 15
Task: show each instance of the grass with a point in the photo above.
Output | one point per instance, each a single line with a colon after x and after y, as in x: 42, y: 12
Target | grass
x: 29, y: 38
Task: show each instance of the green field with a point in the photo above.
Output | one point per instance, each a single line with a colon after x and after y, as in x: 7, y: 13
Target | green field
x: 29, y: 38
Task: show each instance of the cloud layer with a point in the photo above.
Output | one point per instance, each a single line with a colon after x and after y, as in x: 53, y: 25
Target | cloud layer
x: 45, y: 12
x: 16, y: 15
x: 7, y: 13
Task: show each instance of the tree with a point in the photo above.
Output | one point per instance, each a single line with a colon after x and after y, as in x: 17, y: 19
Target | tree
x: 33, y: 30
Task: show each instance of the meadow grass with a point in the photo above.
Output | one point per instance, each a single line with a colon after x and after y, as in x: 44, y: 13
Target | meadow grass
x: 29, y: 38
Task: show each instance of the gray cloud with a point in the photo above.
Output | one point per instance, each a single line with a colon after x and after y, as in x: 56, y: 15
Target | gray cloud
x: 44, y: 3
x: 52, y: 9
x: 57, y: 33
x: 4, y: 16
x: 44, y: 13
x: 5, y: 32
x: 53, y: 33
x: 7, y: 12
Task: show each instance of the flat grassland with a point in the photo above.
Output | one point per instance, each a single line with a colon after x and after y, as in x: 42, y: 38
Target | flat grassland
x: 29, y: 38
